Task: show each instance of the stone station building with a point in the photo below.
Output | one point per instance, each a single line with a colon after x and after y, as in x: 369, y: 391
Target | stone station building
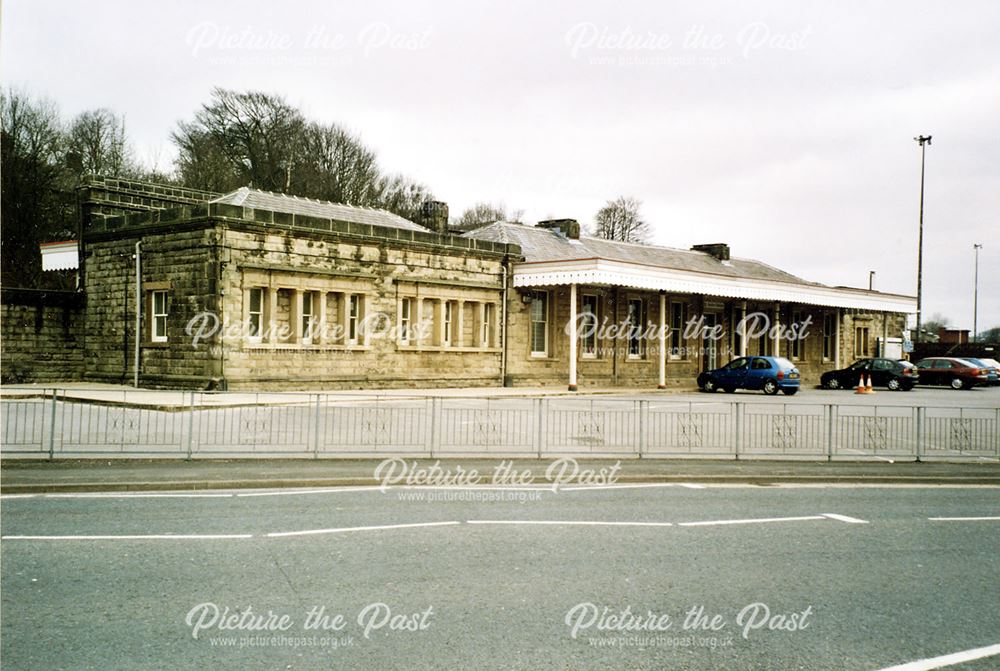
x: 256, y: 290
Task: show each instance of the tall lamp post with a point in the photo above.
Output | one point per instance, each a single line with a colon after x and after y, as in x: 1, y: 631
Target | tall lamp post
x: 975, y: 297
x: 923, y: 141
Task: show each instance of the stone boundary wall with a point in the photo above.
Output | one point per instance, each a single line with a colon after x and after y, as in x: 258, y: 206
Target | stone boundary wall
x: 41, y: 336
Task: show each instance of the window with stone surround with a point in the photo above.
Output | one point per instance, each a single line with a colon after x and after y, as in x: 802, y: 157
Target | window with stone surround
x: 798, y: 344
x: 862, y: 348
x: 829, y: 336
x: 447, y: 332
x: 405, y: 320
x: 540, y: 324
x: 353, y: 318
x: 677, y: 330
x: 308, y: 317
x: 588, y: 326
x: 635, y: 326
x: 255, y: 313
x: 158, y: 317
x: 486, y: 326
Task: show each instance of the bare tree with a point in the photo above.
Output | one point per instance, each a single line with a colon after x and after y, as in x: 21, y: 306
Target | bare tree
x: 482, y: 214
x: 937, y: 322
x: 255, y: 136
x: 257, y: 139
x: 335, y: 165
x: 621, y: 220
x: 403, y: 196
x: 96, y: 143
x: 34, y: 205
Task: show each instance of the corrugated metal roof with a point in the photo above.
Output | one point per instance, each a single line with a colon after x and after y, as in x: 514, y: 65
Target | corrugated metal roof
x: 279, y: 202
x: 540, y: 244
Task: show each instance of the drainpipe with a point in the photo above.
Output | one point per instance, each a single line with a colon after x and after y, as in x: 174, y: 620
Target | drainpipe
x: 503, y: 328
x: 138, y: 308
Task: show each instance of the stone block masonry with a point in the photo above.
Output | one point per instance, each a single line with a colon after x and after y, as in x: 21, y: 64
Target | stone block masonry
x: 42, y: 336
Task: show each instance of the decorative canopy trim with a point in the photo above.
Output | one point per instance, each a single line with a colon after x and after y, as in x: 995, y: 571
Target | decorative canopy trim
x: 635, y: 276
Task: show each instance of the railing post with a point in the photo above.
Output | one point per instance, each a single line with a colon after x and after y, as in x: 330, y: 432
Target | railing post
x: 738, y: 423
x: 437, y: 416
x: 828, y: 409
x: 190, y: 422
x: 643, y: 445
x: 52, y: 427
x: 316, y: 411
x: 921, y: 415
x: 540, y: 409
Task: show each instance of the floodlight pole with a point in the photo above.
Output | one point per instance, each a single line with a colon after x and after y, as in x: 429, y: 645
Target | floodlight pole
x: 922, y: 140
x: 975, y: 296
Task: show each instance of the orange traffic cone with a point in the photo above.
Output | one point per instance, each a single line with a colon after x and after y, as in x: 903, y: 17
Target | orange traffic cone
x: 861, y: 389
x: 869, y: 389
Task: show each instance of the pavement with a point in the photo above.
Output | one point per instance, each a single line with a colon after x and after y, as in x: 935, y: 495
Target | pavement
x: 24, y: 476
x: 781, y: 578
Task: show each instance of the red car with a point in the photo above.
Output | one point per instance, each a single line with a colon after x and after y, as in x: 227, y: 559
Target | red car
x: 954, y: 372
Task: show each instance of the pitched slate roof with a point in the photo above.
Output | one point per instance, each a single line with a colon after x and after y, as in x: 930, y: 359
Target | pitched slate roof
x: 540, y: 244
x: 279, y: 202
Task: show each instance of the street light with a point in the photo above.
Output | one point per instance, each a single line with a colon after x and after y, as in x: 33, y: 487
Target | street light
x: 922, y: 140
x: 975, y: 296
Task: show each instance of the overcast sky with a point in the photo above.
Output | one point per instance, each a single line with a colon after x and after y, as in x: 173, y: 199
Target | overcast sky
x: 783, y: 129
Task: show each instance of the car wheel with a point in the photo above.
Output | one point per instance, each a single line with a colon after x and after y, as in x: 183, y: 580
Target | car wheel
x: 893, y: 384
x: 790, y: 391
x: 770, y: 387
x: 833, y: 383
x: 957, y: 383
x: 710, y: 386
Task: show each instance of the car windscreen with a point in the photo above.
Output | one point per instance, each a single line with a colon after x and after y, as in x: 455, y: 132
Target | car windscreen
x: 783, y: 362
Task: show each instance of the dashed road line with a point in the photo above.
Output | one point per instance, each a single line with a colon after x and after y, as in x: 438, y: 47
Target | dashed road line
x: 845, y: 518
x: 317, y: 532
x: 947, y: 660
x: 129, y: 537
x: 964, y: 519
x: 594, y: 523
x: 759, y: 520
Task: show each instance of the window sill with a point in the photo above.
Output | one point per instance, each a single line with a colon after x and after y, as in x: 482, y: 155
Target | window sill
x: 443, y: 348
x: 291, y: 347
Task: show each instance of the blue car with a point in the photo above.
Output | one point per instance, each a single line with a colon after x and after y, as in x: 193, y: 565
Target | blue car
x: 766, y: 373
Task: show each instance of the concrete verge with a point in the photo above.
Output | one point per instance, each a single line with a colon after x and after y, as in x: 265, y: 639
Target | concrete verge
x: 150, y: 475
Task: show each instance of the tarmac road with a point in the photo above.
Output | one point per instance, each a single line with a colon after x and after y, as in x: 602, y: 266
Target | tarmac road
x: 851, y: 577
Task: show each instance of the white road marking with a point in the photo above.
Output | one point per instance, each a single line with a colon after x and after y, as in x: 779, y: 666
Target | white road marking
x: 644, y: 485
x: 845, y: 518
x: 963, y: 519
x: 297, y: 492
x: 947, y: 660
x: 760, y: 520
x: 315, y: 532
x: 594, y: 523
x: 691, y: 485
x: 132, y: 495
x: 129, y: 537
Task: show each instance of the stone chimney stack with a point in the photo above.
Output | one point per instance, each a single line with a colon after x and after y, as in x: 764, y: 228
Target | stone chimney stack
x: 434, y: 215
x: 719, y: 250
x: 568, y: 227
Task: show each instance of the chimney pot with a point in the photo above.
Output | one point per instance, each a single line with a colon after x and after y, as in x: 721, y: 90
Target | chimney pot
x: 568, y: 227
x: 719, y: 250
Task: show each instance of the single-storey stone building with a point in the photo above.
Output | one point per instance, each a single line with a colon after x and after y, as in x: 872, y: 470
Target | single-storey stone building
x: 256, y: 290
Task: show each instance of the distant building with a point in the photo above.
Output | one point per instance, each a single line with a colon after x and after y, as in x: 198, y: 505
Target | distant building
x: 953, y: 336
x: 259, y: 290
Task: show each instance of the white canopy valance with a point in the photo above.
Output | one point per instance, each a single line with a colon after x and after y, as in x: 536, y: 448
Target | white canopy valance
x: 652, y: 278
